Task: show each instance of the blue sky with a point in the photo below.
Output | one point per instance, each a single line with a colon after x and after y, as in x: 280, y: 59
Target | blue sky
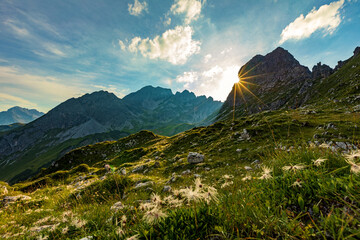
x: 53, y: 50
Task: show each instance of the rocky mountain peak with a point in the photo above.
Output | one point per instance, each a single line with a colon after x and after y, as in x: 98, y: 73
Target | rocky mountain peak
x: 356, y: 51
x: 272, y: 78
x: 19, y: 115
x: 320, y: 71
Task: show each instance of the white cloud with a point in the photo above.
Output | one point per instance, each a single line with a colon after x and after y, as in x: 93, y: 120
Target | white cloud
x: 137, y: 8
x: 327, y: 18
x: 216, y: 81
x: 8, y: 101
x: 47, y: 90
x: 191, y: 9
x: 174, y: 45
x: 18, y: 30
x: 207, y: 58
x: 122, y: 45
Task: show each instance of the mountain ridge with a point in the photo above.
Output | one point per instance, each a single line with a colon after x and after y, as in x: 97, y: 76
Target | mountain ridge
x: 101, y: 112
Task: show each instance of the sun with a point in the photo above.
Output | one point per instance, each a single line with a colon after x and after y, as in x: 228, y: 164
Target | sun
x: 242, y: 86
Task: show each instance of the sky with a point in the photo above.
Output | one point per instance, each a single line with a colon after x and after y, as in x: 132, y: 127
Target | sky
x: 53, y: 50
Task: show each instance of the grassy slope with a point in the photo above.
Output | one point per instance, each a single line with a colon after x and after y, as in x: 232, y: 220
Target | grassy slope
x: 73, y: 200
x: 326, y: 202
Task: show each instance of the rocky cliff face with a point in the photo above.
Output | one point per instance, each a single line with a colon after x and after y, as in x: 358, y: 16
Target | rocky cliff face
x: 276, y: 80
x: 320, y: 71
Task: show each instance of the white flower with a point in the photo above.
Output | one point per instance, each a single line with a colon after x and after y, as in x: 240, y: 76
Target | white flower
x: 266, y: 173
x: 246, y: 178
x: 353, y: 155
x: 135, y: 237
x: 294, y: 168
x: 297, y: 184
x: 355, y: 168
x: 228, y: 183
x: 319, y: 161
x: 324, y: 145
x: 173, y: 202
x: 154, y: 215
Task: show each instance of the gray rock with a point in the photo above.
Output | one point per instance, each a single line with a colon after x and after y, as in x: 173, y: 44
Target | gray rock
x: 195, y: 158
x: 197, y: 175
x: 244, y: 135
x: 172, y: 179
x: 238, y: 150
x: 186, y: 172
x: 255, y: 162
x: 247, y: 168
x: 167, y: 188
x: 341, y: 145
x: 138, y: 168
x: 144, y: 184
x: 123, y: 171
x: 207, y: 169
x: 117, y: 206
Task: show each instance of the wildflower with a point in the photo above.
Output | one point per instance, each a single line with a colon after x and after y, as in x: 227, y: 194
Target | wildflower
x: 247, y: 177
x: 154, y: 215
x: 352, y: 156
x: 266, y: 173
x: 191, y: 194
x: 135, y: 237
x: 355, y: 168
x: 156, y: 199
x: 228, y: 183
x: 324, y: 145
x: 123, y: 220
x: 297, y: 183
x: 65, y: 230
x: 294, y: 168
x: 173, y: 202
x: 211, y: 194
x: 319, y: 161
x: 146, y: 206
x: 78, y: 223
x: 227, y: 177
x: 312, y: 145
x: 119, y: 231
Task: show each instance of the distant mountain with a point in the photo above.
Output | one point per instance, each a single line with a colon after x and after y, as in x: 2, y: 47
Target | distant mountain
x: 277, y: 80
x: 97, y: 117
x: 19, y: 115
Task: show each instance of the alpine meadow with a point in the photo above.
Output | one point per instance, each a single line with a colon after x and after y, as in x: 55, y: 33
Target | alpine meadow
x: 179, y: 119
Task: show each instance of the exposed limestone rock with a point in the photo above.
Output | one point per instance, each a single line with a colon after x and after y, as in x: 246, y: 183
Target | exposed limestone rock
x: 320, y: 71
x: 195, y: 158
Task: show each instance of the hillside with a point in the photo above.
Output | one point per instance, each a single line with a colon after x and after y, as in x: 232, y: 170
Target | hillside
x: 94, y: 118
x: 275, y: 174
x: 19, y: 115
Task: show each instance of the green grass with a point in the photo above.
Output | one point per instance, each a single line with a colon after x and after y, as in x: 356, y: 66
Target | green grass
x: 325, y: 206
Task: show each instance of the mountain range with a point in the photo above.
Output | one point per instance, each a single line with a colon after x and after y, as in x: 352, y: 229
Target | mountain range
x: 98, y: 117
x: 280, y: 161
x: 271, y: 82
x: 19, y: 115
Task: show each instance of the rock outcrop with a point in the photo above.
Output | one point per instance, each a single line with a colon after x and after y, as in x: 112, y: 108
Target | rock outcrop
x: 320, y: 71
x: 275, y: 80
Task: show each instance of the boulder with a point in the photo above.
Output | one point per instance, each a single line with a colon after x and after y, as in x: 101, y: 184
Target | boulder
x: 117, y: 206
x: 167, y: 188
x: 144, y: 184
x: 195, y: 158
